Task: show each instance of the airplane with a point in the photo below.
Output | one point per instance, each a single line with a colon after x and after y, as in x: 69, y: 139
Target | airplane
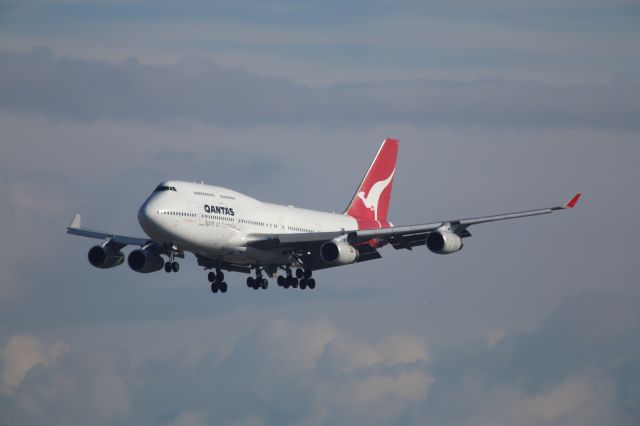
x: 230, y: 231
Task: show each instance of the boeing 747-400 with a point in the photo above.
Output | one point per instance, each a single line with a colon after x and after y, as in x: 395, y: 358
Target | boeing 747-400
x: 230, y: 231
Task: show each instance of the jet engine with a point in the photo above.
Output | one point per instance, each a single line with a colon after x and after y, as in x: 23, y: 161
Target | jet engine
x: 105, y: 255
x: 338, y: 252
x: 444, y: 242
x: 145, y: 260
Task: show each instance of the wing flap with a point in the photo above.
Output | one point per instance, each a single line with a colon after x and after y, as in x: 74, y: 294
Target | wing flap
x: 372, y: 255
x: 271, y: 241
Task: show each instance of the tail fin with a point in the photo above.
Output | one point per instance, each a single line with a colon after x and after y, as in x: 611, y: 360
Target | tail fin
x: 371, y: 200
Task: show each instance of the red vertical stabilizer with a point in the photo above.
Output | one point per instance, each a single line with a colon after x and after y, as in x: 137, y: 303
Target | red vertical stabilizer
x: 370, y: 204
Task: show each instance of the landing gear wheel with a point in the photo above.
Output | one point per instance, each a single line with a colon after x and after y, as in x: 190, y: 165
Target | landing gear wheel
x: 311, y: 283
x: 250, y: 282
x: 223, y: 287
x: 299, y: 273
x: 212, y: 277
x: 219, y: 276
x: 265, y: 283
x: 281, y: 281
x: 167, y: 267
x: 294, y: 283
x: 175, y: 266
x: 214, y: 287
x: 303, y: 284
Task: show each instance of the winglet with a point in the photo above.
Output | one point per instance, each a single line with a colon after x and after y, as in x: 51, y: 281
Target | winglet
x: 573, y: 201
x: 75, y: 222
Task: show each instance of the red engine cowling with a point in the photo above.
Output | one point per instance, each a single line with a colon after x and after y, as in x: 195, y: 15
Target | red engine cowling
x: 444, y: 242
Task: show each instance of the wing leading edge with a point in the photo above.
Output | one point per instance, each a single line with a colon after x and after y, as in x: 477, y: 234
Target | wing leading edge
x: 75, y: 228
x: 398, y: 236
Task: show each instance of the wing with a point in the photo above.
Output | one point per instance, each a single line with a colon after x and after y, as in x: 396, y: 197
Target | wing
x: 410, y: 236
x: 75, y: 228
x: 400, y: 237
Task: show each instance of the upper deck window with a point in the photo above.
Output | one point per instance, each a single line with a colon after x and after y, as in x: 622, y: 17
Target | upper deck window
x: 165, y: 188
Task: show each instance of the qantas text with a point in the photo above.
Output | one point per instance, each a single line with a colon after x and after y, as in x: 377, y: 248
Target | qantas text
x: 219, y: 210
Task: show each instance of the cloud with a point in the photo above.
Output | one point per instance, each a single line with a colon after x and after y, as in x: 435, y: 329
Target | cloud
x: 57, y: 385
x: 312, y: 372
x: 22, y: 353
x: 273, y: 373
x: 191, y: 418
x: 586, y: 331
x: 583, y: 399
x: 336, y: 372
x: 580, y: 367
x: 345, y: 356
x: 201, y: 90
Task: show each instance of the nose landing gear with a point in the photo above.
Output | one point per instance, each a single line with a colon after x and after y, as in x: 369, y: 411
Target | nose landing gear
x: 172, y: 265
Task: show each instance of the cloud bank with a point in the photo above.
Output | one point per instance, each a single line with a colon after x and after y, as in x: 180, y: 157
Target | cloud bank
x: 279, y: 373
x: 201, y: 90
x: 314, y: 373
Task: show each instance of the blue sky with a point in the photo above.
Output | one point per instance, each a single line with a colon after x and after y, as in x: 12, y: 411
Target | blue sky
x: 499, y: 106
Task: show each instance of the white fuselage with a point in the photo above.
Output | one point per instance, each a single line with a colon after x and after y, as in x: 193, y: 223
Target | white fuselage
x: 216, y: 222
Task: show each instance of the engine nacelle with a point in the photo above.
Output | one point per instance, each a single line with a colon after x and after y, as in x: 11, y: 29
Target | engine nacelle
x: 338, y: 252
x: 105, y: 256
x: 444, y: 242
x: 145, y: 261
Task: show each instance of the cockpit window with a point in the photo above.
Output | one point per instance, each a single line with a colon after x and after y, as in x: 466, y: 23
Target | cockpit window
x: 165, y: 188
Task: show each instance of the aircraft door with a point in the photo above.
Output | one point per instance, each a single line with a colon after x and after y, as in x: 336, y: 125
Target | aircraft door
x: 198, y: 209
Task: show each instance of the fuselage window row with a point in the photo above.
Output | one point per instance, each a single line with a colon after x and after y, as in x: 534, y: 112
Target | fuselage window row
x: 230, y: 219
x: 296, y: 229
x: 254, y: 222
x: 172, y: 213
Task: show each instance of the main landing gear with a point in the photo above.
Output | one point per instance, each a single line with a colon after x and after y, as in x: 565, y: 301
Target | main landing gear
x: 217, y: 281
x: 302, y: 279
x: 258, y: 281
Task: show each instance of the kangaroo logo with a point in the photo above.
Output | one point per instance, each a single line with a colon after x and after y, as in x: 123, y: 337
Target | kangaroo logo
x: 371, y: 200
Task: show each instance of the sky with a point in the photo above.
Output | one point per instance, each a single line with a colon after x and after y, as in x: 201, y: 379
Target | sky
x: 499, y: 106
